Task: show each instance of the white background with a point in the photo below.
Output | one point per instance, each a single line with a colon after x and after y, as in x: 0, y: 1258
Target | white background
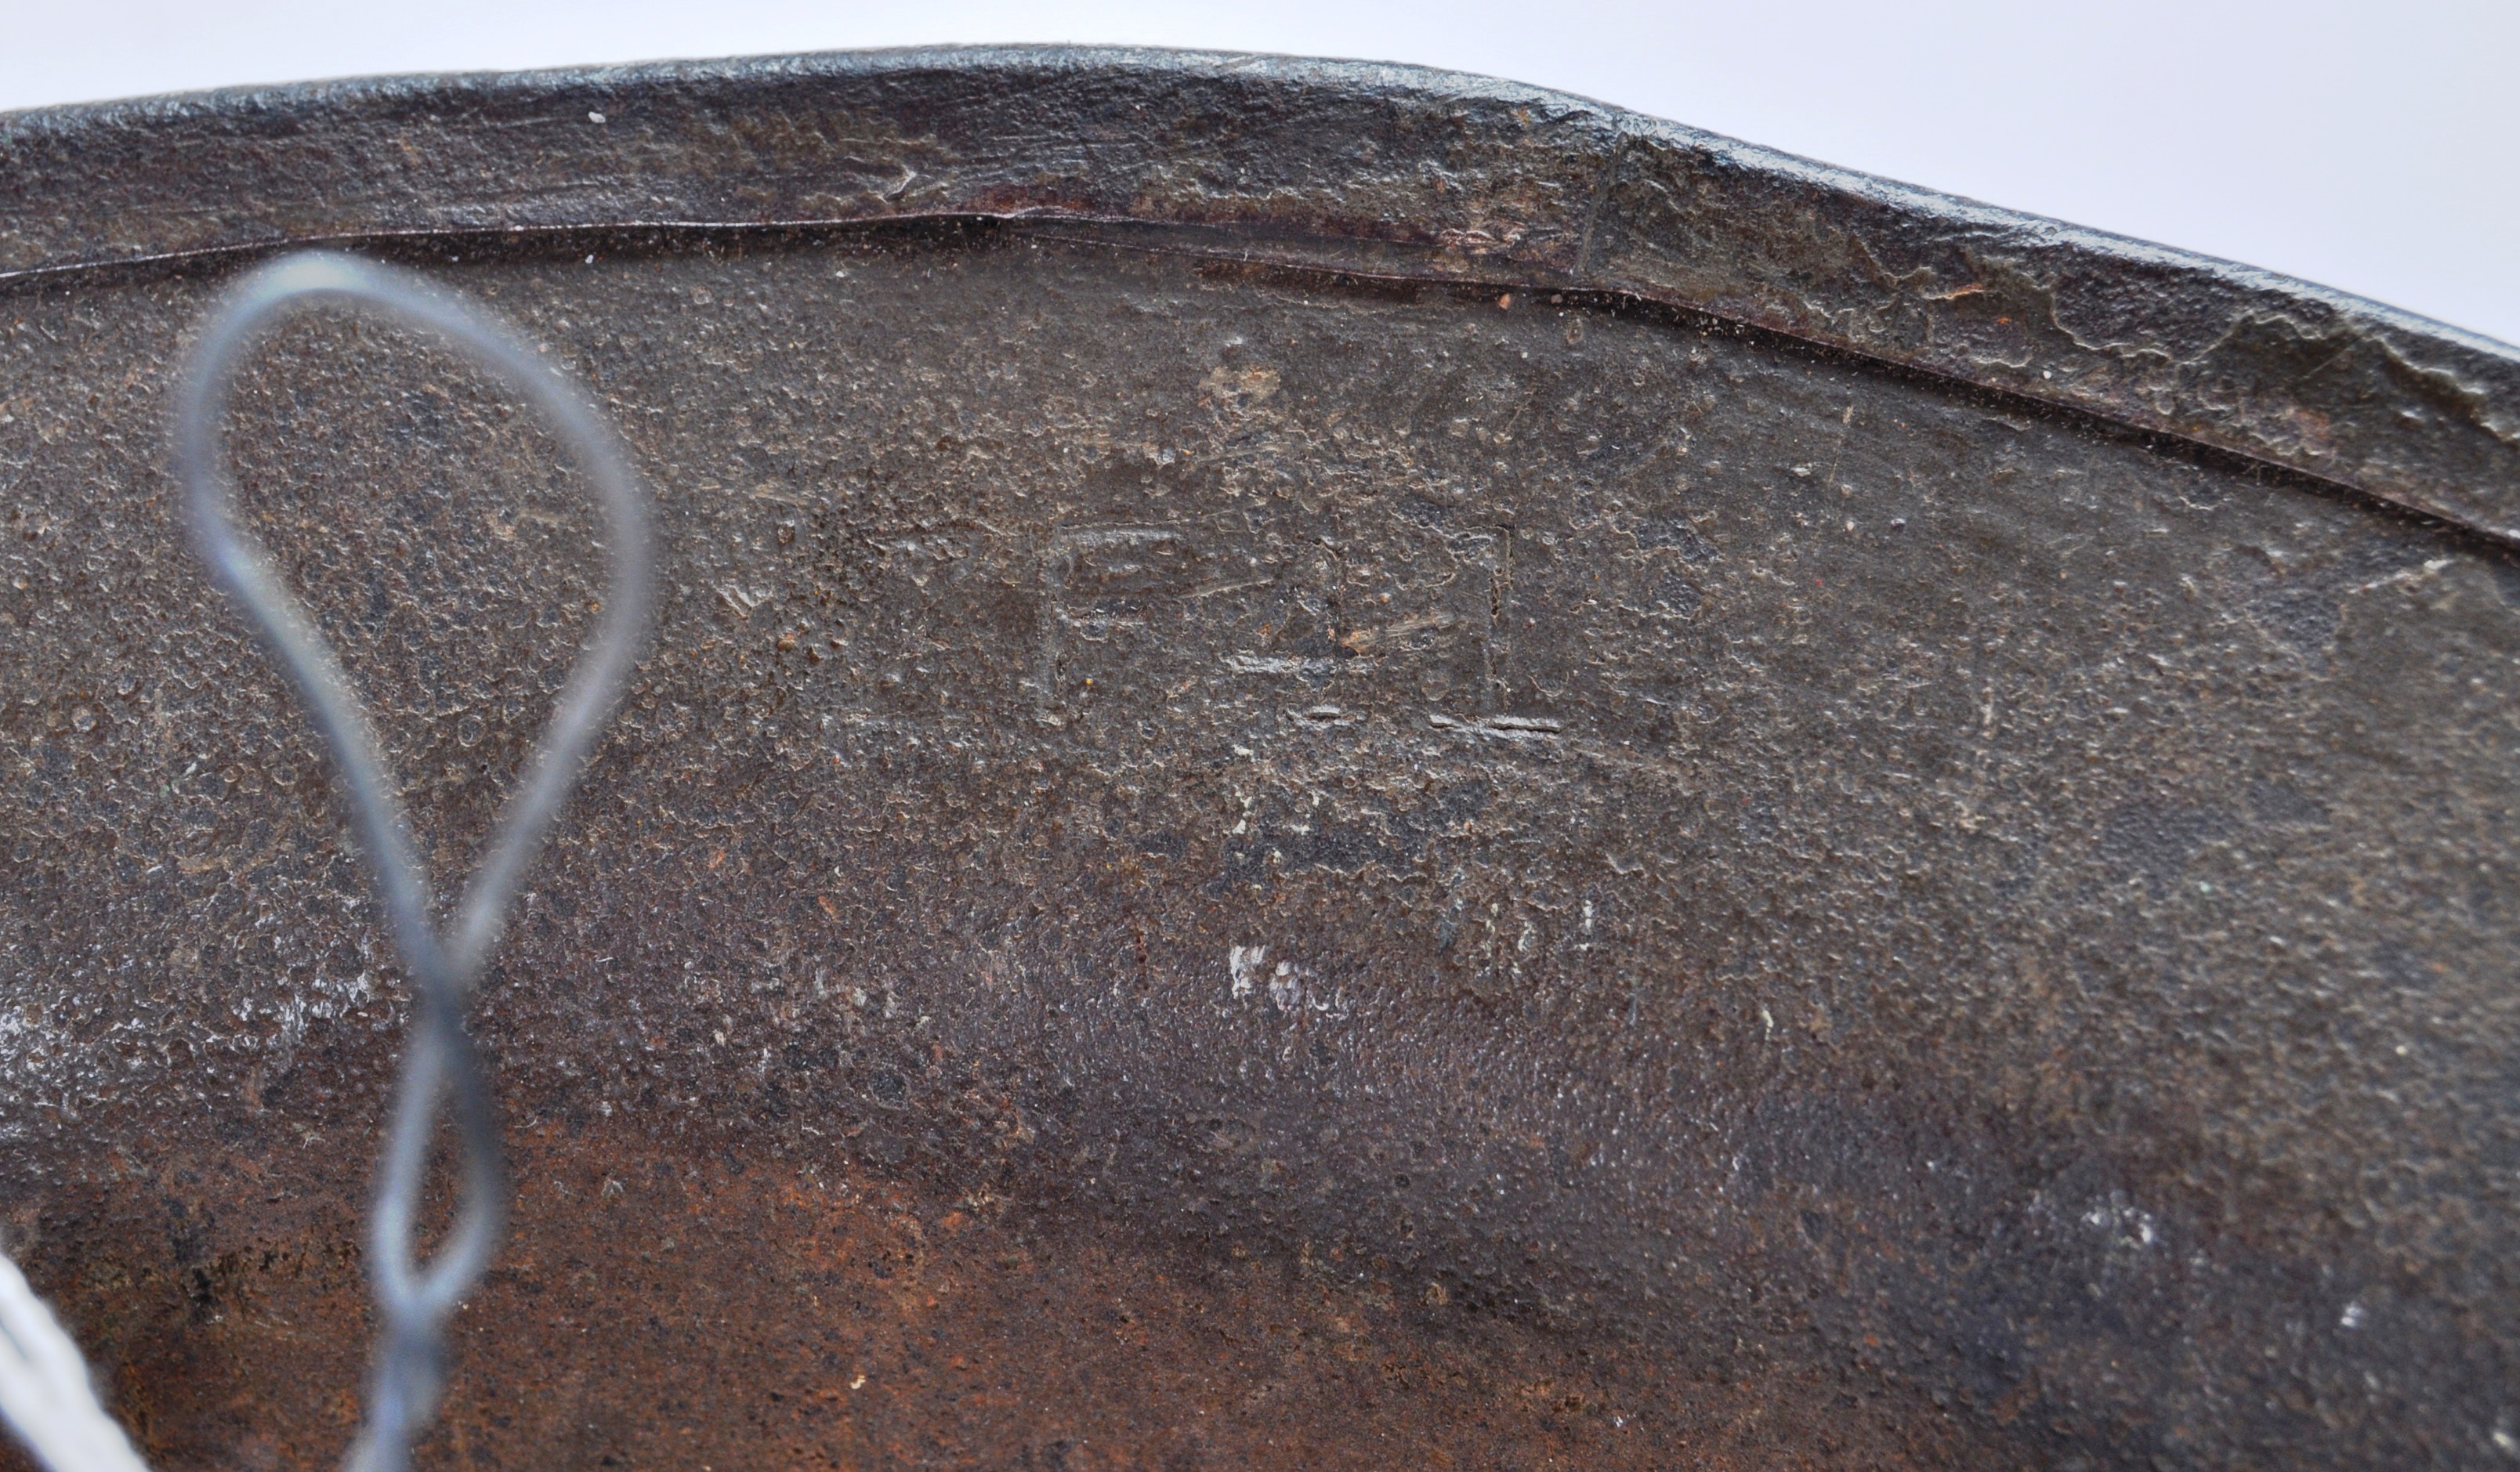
x: 2373, y: 146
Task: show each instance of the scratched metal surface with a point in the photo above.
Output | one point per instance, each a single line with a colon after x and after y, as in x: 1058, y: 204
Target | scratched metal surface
x: 1227, y: 865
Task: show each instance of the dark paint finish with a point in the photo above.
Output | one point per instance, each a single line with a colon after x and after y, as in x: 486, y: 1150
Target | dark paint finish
x: 1357, y: 166
x: 1227, y: 866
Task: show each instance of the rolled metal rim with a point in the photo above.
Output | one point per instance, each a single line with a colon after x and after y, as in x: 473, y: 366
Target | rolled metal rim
x: 1359, y: 167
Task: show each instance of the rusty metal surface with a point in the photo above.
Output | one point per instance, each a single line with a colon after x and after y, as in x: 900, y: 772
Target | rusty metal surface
x: 1224, y: 865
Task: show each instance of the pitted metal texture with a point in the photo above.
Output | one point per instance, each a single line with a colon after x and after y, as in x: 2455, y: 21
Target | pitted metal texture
x: 1222, y: 865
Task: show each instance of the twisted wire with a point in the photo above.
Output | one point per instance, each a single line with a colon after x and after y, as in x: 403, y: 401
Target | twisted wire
x: 440, y: 1061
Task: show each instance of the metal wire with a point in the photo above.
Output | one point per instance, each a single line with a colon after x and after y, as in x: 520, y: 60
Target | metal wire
x: 414, y: 1299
